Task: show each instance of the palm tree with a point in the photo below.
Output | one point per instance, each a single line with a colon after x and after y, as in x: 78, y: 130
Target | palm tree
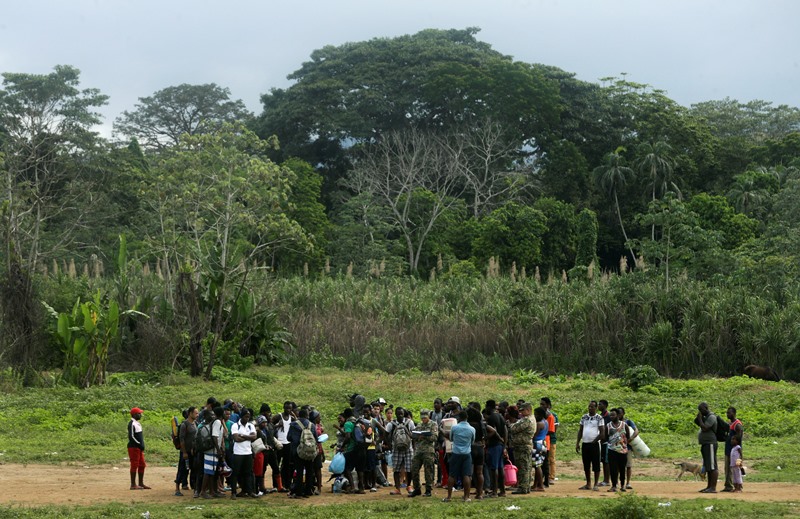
x: 612, y: 176
x: 745, y: 194
x: 657, y: 163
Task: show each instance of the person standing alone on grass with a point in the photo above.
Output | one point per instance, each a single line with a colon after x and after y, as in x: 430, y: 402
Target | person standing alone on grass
x: 736, y: 431
x: 136, y: 449
x: 707, y: 438
x: 590, y: 433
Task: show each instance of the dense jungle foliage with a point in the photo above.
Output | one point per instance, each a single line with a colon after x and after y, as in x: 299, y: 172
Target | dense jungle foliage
x: 419, y: 201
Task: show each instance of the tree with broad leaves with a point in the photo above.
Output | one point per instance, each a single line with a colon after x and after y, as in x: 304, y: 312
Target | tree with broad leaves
x: 435, y: 80
x: 46, y: 135
x: 221, y: 206
x: 158, y: 121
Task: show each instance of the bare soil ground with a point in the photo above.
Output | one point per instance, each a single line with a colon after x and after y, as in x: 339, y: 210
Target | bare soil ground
x: 32, y: 485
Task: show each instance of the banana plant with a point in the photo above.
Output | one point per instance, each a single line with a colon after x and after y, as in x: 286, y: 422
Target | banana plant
x: 85, y: 336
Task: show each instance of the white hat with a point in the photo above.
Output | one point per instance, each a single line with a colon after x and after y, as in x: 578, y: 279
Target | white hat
x: 455, y: 399
x: 382, y: 400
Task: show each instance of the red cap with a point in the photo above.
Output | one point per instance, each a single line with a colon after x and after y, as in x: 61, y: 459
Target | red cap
x: 136, y: 410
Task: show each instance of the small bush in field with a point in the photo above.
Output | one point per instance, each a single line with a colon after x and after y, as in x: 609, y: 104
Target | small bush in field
x: 629, y: 507
x: 462, y: 270
x: 526, y: 377
x: 640, y: 376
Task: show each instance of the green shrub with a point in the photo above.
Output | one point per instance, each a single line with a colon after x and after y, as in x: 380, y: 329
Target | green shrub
x: 628, y: 507
x: 640, y: 376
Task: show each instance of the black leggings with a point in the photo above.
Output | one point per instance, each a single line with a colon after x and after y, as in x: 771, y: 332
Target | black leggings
x: 617, y: 462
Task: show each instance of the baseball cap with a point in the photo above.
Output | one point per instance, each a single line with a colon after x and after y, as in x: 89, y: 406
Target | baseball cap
x: 382, y: 401
x: 136, y: 410
x: 455, y: 399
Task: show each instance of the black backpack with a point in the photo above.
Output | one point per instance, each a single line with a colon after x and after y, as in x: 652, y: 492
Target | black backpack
x: 203, y: 441
x: 722, y: 429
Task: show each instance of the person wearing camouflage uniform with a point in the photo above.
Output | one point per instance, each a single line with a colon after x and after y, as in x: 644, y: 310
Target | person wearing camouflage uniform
x: 425, y: 435
x: 522, y: 432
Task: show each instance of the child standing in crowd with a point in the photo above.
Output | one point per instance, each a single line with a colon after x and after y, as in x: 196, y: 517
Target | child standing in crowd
x: 736, y: 464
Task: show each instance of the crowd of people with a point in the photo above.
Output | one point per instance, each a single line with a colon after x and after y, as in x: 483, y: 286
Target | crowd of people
x: 226, y: 449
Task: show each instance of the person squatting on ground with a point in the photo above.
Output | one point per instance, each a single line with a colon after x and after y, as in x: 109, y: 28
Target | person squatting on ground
x: 136, y: 449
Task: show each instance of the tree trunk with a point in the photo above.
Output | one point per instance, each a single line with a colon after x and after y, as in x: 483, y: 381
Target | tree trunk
x: 187, y: 298
x: 622, y: 226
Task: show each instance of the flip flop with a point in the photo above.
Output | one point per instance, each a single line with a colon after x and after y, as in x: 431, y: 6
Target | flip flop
x: 395, y: 493
x: 446, y: 500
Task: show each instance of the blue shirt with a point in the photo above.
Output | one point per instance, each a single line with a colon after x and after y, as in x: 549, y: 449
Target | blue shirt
x: 462, y: 435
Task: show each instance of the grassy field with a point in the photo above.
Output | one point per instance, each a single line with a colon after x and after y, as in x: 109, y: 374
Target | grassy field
x: 65, y: 425
x: 621, y: 507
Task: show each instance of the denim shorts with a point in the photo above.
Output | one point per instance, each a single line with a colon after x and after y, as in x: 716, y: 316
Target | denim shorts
x: 460, y: 465
x: 494, y: 457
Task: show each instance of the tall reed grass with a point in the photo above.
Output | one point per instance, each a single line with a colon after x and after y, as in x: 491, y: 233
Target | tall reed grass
x: 498, y: 324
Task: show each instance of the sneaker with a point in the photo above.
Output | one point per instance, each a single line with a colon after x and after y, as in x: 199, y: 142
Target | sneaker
x: 602, y: 484
x: 427, y: 494
x: 178, y: 493
x: 373, y: 489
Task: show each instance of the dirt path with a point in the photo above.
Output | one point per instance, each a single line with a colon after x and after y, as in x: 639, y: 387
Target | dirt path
x: 77, y: 485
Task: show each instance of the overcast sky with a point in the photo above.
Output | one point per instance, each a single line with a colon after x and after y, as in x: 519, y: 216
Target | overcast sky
x: 695, y: 50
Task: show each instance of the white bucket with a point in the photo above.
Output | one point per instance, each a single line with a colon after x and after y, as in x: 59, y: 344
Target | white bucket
x: 639, y: 447
x: 448, y: 424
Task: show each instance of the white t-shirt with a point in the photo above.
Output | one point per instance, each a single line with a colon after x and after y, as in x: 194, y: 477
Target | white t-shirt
x: 591, y: 427
x: 242, y: 448
x: 283, y: 431
x: 217, y: 434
